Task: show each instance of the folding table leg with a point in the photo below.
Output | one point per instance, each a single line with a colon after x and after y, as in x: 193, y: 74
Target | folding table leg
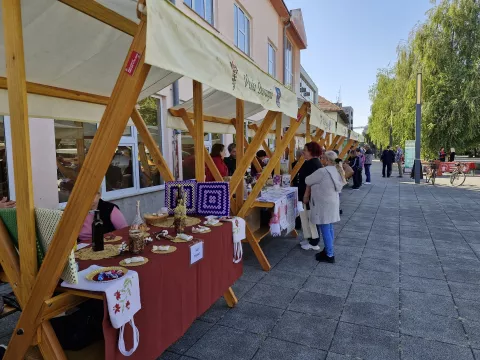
x: 230, y: 298
x: 49, y: 344
x: 254, y: 243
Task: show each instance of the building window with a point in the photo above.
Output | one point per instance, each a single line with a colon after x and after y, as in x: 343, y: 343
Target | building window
x: 131, y: 170
x: 204, y: 8
x: 242, y: 30
x: 306, y: 91
x: 288, y: 64
x: 272, y: 62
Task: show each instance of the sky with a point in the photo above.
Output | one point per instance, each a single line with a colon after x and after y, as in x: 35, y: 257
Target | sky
x: 349, y: 40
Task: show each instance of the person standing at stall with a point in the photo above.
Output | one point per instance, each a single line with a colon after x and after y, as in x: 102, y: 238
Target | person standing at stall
x: 442, y: 155
x: 387, y: 159
x: 452, y: 155
x: 311, y: 152
x: 231, y: 160
x: 326, y: 183
x: 368, y: 163
x: 261, y: 157
x: 217, y: 154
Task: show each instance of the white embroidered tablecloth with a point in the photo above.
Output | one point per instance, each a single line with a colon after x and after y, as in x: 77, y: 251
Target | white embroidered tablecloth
x: 123, y: 300
x: 285, y: 209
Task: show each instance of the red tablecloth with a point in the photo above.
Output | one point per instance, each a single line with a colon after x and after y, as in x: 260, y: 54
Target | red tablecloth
x: 450, y: 166
x: 173, y: 293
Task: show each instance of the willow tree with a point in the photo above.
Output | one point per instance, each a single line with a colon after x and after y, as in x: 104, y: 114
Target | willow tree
x: 446, y: 50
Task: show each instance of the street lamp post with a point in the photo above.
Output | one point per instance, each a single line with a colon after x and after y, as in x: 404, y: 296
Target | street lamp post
x: 391, y: 128
x: 418, y: 129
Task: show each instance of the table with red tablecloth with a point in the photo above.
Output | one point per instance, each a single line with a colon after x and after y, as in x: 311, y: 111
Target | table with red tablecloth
x: 173, y: 293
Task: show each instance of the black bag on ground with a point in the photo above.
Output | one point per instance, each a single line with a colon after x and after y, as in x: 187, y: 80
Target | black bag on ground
x: 81, y: 328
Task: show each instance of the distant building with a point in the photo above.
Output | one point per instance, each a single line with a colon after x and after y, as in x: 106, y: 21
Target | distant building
x: 349, y: 112
x: 334, y: 111
x: 308, y: 89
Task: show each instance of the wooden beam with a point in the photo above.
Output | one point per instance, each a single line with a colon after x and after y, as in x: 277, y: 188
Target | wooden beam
x: 208, y: 159
x: 255, y: 162
x: 278, y: 138
x: 339, y: 143
x: 124, y: 97
x: 9, y: 261
x: 333, y: 143
x: 59, y: 304
x: 264, y: 143
x: 291, y: 154
x: 22, y: 164
x: 80, y: 146
x: 52, y: 91
x: 103, y: 14
x: 198, y: 135
x: 240, y: 139
x: 230, y: 298
x: 345, y: 150
x: 48, y: 343
x: 280, y: 148
x: 308, y: 134
x: 212, y: 119
x: 152, y: 146
x: 251, y: 151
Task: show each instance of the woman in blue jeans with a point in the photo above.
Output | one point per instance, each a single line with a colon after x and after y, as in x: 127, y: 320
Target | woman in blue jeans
x: 326, y: 183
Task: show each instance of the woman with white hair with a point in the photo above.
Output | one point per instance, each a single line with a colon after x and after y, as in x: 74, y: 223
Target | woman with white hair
x: 326, y: 183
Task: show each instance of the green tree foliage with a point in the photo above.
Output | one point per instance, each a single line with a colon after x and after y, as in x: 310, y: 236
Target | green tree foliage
x: 148, y: 110
x: 446, y: 49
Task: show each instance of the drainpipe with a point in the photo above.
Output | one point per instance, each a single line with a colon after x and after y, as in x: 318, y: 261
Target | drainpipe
x: 285, y: 27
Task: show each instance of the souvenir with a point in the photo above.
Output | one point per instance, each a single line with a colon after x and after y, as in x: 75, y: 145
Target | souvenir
x: 172, y: 191
x: 106, y: 274
x: 213, y: 198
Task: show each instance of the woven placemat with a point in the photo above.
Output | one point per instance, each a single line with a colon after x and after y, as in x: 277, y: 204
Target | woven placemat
x: 217, y: 224
x: 145, y: 260
x: 178, y: 240
x: 88, y: 253
x: 112, y: 239
x: 169, y: 251
x: 189, y: 221
x: 202, y: 232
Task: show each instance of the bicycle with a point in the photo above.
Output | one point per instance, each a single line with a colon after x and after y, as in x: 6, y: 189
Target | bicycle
x: 458, y: 176
x: 431, y: 174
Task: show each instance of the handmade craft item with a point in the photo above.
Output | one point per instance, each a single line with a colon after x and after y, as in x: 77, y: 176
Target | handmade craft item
x: 87, y: 253
x: 286, y: 179
x: 172, y: 194
x: 134, y: 261
x: 239, y: 234
x: 180, y: 214
x: 106, y: 274
x: 136, y: 241
x: 184, y: 237
x: 148, y: 239
x: 277, y: 180
x: 111, y: 238
x: 213, y: 198
x: 212, y: 221
x: 138, y: 223
x: 167, y: 249
x: 189, y: 221
x: 201, y: 229
x: 155, y: 218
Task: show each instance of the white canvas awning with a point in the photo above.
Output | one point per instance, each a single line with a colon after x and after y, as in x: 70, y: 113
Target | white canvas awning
x: 342, y: 130
x: 217, y: 104
x: 67, y: 49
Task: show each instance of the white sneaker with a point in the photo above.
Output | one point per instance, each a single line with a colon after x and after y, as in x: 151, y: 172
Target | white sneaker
x: 304, y: 242
x: 367, y: 183
x: 310, y: 247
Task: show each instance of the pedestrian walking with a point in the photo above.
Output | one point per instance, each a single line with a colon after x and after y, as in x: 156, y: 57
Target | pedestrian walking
x: 452, y: 155
x: 355, y: 164
x: 368, y: 163
x: 387, y: 159
x: 399, y: 160
x: 326, y: 183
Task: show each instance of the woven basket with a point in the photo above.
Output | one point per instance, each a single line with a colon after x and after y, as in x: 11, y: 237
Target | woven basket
x: 154, y: 220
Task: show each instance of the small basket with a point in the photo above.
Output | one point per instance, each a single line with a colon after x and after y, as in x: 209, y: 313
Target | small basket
x: 155, y: 220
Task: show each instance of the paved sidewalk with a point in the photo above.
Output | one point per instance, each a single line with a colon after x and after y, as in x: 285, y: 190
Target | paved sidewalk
x: 406, y: 285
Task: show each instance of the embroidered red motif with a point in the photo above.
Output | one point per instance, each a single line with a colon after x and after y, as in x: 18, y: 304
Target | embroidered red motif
x: 117, y: 295
x: 128, y: 305
x: 116, y: 308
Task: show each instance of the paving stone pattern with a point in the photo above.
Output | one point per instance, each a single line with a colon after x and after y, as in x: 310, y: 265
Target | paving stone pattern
x: 406, y: 285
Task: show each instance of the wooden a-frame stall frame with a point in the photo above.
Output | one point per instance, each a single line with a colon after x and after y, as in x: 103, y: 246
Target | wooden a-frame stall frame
x: 35, y: 291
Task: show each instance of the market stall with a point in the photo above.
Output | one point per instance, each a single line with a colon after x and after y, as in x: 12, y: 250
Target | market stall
x: 64, y: 61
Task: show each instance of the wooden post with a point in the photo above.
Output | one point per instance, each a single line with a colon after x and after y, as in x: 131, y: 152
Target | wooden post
x: 22, y: 165
x: 339, y: 143
x: 291, y: 154
x: 333, y: 143
x: 251, y: 151
x: 115, y: 118
x: 80, y: 141
x: 152, y: 147
x: 346, y: 149
x: 307, y: 131
x: 278, y: 138
x: 240, y: 138
x: 198, y: 135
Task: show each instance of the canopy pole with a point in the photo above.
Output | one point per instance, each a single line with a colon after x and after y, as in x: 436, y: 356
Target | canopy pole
x: 278, y: 138
x: 308, y: 131
x: 198, y: 135
x: 22, y: 162
x: 256, y: 164
x: 124, y: 97
x: 333, y: 143
x: 339, y: 143
x: 240, y: 139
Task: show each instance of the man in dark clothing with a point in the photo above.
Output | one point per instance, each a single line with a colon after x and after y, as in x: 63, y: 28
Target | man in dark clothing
x: 261, y: 156
x: 387, y: 159
x: 231, y: 161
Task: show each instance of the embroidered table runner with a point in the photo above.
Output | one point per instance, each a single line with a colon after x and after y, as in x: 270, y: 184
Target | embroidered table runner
x: 285, y: 209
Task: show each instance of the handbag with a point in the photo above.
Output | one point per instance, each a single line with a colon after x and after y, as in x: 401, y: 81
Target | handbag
x: 348, y: 170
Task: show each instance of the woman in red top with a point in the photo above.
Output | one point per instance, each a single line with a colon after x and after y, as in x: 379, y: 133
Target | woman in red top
x: 218, y: 153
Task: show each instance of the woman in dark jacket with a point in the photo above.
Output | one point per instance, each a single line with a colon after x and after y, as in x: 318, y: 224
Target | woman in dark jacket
x: 311, y: 153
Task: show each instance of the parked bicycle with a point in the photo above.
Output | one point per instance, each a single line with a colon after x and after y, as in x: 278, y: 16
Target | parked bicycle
x: 458, y: 175
x: 431, y: 174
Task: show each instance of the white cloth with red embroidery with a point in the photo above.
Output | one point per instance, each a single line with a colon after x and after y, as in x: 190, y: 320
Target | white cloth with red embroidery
x: 123, y: 301
x: 285, y: 210
x: 238, y: 232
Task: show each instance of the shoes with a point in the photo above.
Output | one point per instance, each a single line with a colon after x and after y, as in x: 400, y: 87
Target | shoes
x: 305, y: 242
x: 341, y: 211
x: 367, y: 183
x: 355, y: 188
x: 3, y: 350
x: 322, y: 257
x: 383, y: 175
x: 310, y: 247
